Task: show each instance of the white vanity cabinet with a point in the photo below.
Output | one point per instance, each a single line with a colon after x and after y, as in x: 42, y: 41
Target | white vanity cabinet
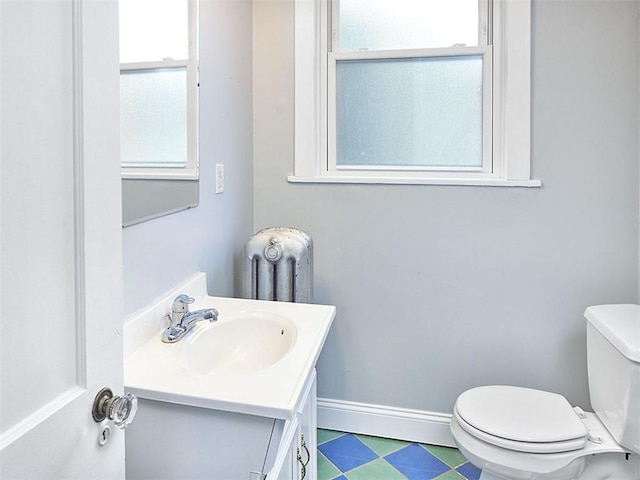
x: 169, y: 441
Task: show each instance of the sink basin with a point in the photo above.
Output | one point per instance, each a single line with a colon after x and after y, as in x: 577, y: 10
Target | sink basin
x: 240, y: 343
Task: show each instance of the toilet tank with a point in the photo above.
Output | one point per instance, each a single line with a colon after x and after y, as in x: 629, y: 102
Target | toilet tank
x: 613, y: 353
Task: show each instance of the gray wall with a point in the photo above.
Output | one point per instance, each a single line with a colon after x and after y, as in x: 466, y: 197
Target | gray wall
x: 163, y: 252
x: 442, y: 288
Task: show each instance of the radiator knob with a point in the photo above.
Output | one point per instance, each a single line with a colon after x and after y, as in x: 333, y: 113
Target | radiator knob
x: 273, y: 251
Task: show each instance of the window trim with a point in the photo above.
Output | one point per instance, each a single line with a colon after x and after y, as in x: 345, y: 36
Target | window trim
x: 510, y: 104
x: 191, y: 170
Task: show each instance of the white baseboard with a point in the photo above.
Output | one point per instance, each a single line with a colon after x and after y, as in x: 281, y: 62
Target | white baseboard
x: 382, y: 421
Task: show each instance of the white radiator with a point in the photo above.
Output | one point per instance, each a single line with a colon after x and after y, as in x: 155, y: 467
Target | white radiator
x: 278, y: 265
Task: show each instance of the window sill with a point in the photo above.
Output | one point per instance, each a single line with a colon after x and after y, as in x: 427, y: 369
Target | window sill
x: 475, y: 182
x: 144, y: 174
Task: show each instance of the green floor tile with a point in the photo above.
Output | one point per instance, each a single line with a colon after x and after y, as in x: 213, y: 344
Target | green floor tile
x: 378, y: 469
x: 450, y: 475
x: 326, y: 469
x: 450, y: 456
x: 382, y: 446
x: 326, y: 435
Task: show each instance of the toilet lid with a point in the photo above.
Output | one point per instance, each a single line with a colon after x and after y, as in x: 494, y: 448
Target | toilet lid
x: 545, y: 420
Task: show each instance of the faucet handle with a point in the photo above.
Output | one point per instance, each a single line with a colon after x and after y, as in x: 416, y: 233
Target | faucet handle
x: 181, y: 303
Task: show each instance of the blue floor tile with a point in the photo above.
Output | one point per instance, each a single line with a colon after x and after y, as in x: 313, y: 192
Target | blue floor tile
x: 415, y: 463
x: 347, y: 452
x: 469, y: 471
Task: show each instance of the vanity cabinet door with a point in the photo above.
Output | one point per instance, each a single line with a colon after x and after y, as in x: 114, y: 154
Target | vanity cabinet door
x: 288, y: 470
x: 291, y: 462
x: 284, y: 463
x: 296, y: 458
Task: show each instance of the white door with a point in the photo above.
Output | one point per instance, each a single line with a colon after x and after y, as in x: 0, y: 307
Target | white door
x: 60, y: 285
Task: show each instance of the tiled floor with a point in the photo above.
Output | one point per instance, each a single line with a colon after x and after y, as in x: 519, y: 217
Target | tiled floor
x: 345, y: 456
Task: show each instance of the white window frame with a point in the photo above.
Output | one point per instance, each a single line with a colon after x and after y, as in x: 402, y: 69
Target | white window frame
x: 506, y: 84
x: 190, y: 171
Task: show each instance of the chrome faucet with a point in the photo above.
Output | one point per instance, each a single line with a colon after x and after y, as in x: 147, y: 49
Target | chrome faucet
x: 182, y: 320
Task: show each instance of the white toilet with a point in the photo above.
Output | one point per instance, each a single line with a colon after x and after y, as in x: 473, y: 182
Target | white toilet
x: 514, y: 433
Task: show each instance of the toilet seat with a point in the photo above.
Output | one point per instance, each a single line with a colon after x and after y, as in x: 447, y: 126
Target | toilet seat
x: 521, y: 419
x: 519, y: 465
x: 526, y: 447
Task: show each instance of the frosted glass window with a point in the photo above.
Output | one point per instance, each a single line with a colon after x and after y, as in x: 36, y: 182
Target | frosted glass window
x: 404, y: 24
x: 153, y: 117
x: 411, y: 112
x: 153, y: 30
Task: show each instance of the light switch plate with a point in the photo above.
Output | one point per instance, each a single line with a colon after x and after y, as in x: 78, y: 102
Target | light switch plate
x: 219, y: 177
